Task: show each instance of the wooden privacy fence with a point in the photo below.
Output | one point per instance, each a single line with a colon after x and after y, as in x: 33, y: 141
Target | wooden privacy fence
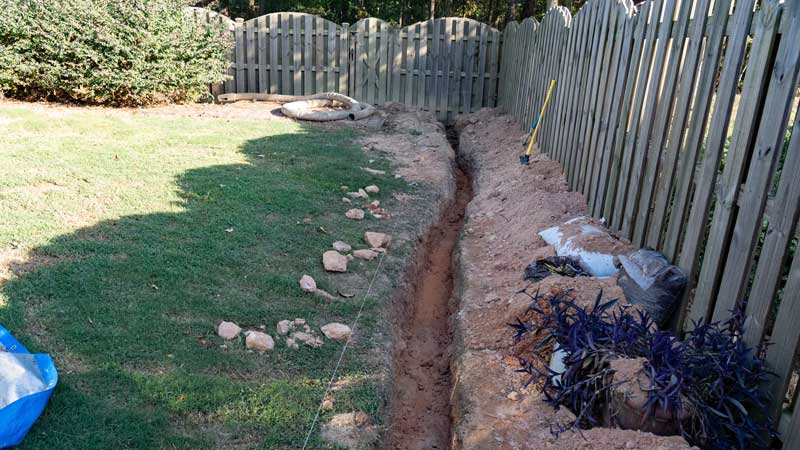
x: 447, y: 65
x: 678, y: 121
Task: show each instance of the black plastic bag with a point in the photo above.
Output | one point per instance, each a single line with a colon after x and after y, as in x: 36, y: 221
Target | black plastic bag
x: 554, y: 265
x: 648, y: 279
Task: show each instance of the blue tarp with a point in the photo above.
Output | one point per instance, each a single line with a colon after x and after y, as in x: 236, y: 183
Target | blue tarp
x: 17, y: 417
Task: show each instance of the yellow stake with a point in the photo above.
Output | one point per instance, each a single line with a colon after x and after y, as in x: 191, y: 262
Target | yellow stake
x: 539, y: 119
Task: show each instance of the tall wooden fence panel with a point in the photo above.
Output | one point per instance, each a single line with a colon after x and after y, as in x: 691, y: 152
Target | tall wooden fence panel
x: 448, y: 65
x: 678, y: 119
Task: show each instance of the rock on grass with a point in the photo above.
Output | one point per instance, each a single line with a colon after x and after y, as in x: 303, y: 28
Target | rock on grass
x: 340, y: 246
x: 307, y: 283
x: 355, y: 214
x: 258, y: 341
x: 377, y: 240
x: 365, y: 254
x: 336, y: 331
x: 334, y: 261
x: 283, y: 327
x: 228, y: 330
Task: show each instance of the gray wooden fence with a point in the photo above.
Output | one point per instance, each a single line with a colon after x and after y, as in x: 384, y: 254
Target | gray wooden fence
x: 674, y: 119
x: 447, y: 65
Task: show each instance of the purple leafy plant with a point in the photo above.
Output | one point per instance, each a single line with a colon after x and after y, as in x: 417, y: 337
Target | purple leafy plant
x: 711, y: 373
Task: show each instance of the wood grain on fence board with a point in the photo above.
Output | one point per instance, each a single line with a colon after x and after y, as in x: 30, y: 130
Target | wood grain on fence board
x: 727, y: 189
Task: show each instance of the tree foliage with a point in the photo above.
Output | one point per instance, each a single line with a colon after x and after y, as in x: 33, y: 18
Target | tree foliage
x: 493, y: 12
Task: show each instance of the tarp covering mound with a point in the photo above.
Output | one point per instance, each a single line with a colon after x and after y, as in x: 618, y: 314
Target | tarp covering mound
x: 26, y: 383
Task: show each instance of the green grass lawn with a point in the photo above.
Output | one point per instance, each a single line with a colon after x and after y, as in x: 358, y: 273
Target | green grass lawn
x: 138, y: 233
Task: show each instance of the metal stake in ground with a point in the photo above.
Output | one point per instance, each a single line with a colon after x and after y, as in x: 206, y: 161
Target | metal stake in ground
x: 525, y: 159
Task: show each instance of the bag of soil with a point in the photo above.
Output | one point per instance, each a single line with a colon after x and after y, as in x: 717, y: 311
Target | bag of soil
x: 567, y: 266
x: 648, y: 279
x: 587, y: 241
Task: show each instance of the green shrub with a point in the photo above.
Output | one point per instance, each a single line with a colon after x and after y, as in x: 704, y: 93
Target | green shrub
x: 116, y: 52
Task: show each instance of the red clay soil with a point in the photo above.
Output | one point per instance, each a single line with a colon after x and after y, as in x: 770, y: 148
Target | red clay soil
x: 511, y: 204
x: 421, y: 387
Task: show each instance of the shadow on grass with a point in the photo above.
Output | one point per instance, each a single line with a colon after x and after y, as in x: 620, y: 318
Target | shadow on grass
x: 127, y: 307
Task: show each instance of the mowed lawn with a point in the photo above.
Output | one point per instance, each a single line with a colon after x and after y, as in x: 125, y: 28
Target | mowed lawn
x: 126, y: 237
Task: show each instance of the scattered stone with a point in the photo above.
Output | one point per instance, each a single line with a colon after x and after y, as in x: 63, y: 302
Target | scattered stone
x: 336, y: 331
x: 292, y: 344
x: 374, y: 171
x: 327, y: 404
x: 375, y: 204
x: 334, y: 261
x: 355, y: 214
x: 350, y: 257
x: 513, y: 396
x: 346, y: 200
x: 377, y: 240
x: 308, y: 339
x: 299, y: 322
x: 228, y: 330
x: 325, y: 294
x: 340, y: 246
x: 284, y: 326
x: 372, y: 189
x: 307, y: 328
x: 365, y: 254
x: 360, y: 194
x: 258, y: 341
x: 307, y: 283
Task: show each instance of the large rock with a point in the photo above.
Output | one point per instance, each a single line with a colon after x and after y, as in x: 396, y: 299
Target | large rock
x: 365, y: 254
x: 228, y: 330
x: 336, y: 331
x: 258, y: 341
x: 334, y: 261
x: 377, y: 240
x: 355, y: 214
x: 307, y: 283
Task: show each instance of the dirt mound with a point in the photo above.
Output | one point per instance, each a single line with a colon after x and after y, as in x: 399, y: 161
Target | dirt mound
x: 512, y: 204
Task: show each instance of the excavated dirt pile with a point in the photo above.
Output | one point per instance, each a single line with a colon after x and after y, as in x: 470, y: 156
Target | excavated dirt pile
x: 511, y: 204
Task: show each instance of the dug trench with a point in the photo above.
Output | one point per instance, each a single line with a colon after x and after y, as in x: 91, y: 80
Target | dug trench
x: 420, y: 406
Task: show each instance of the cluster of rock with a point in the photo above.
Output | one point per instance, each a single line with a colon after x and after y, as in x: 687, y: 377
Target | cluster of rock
x: 336, y: 260
x: 374, y: 206
x: 254, y: 340
x: 295, y: 331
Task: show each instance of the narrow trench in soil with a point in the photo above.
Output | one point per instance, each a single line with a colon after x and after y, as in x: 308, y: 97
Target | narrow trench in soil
x: 422, y: 384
